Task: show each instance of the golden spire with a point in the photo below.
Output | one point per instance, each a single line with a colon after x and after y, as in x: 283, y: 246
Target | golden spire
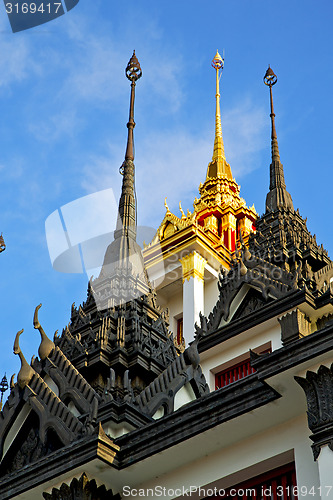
x: 218, y: 63
x: 218, y: 167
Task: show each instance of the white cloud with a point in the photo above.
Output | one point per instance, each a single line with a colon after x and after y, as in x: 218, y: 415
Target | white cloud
x: 51, y: 128
x: 165, y: 81
x: 173, y: 164
x: 101, y: 172
x: 17, y: 61
x: 245, y: 134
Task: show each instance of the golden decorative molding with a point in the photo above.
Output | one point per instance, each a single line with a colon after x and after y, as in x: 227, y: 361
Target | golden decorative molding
x: 193, y: 266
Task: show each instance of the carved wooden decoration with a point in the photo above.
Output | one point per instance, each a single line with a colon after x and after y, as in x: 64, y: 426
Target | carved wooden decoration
x: 318, y: 388
x: 81, y: 489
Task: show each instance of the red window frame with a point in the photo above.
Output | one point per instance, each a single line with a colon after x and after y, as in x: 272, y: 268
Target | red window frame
x: 235, y: 372
x: 277, y: 484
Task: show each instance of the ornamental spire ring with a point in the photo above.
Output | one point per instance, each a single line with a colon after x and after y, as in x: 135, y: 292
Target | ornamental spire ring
x: 218, y: 61
x: 133, y: 69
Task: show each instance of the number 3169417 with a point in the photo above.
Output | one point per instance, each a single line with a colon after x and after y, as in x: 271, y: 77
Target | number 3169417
x: 32, y: 8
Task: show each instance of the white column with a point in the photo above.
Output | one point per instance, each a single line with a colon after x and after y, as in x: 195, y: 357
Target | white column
x: 325, y: 466
x: 193, y: 266
x: 307, y: 474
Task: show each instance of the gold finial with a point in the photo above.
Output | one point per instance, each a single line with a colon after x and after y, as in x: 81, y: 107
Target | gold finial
x: 26, y: 372
x: 46, y: 346
x: 218, y: 64
x: 166, y: 205
x: 218, y: 167
x: 181, y: 210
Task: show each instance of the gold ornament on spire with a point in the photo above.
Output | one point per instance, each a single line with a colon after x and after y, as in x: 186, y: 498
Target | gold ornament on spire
x: 220, y: 214
x: 218, y: 64
x: 218, y: 167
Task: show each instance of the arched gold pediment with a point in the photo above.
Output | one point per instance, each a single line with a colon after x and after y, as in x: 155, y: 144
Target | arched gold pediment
x: 169, y: 230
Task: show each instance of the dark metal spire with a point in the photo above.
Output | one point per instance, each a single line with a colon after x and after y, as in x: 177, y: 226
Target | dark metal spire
x: 124, y: 252
x: 278, y: 196
x: 133, y: 73
x: 3, y: 388
x: 126, y: 224
x: 2, y: 244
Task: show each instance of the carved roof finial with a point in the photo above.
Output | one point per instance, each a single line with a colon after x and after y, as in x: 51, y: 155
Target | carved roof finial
x: 278, y: 196
x: 3, y: 388
x: 2, y: 244
x: 46, y: 346
x: 26, y: 372
x: 166, y: 205
x: 181, y: 210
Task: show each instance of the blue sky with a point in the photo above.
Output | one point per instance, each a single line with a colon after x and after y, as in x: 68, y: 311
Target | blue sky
x: 64, y: 107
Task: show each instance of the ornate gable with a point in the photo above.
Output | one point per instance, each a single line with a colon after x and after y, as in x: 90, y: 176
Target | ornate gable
x: 267, y: 281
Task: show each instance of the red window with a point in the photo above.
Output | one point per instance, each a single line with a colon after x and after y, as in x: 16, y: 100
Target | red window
x: 180, y: 335
x: 235, y: 372
x: 279, y: 484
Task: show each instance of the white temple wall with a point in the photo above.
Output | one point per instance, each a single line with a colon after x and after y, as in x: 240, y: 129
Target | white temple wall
x: 245, y: 459
x: 211, y: 295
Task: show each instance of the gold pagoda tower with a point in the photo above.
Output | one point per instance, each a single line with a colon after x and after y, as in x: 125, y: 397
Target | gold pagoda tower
x: 202, y: 241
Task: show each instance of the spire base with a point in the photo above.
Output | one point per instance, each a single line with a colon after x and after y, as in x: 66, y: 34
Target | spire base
x: 219, y: 168
x: 278, y: 196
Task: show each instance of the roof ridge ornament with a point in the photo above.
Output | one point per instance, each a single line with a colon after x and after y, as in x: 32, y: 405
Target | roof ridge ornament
x: 46, y: 345
x: 278, y: 196
x: 2, y: 243
x: 26, y: 372
x: 3, y: 388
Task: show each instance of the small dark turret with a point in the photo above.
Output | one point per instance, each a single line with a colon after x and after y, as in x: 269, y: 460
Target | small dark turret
x: 124, y: 252
x: 282, y: 236
x: 278, y: 196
